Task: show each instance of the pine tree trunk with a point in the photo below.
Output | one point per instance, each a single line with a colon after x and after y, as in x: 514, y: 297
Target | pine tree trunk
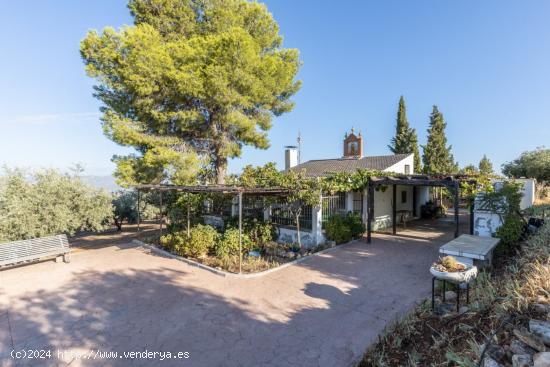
x: 221, y: 169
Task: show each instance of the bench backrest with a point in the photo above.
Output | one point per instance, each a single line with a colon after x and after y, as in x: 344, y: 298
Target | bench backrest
x: 33, y: 249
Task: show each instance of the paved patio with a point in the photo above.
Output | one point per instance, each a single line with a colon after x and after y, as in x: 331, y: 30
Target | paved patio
x: 323, y: 312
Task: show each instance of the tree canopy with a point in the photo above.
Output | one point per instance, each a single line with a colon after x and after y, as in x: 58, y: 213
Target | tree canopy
x: 189, y: 84
x: 532, y: 164
x: 405, y: 139
x: 470, y: 169
x: 485, y: 166
x: 437, y: 156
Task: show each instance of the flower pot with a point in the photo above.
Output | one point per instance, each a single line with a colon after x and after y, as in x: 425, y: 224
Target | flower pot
x: 463, y: 276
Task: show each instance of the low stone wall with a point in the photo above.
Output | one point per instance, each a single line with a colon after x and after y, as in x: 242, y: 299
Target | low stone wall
x: 290, y: 235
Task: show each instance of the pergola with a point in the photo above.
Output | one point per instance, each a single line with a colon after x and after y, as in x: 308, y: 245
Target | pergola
x: 452, y: 183
x: 210, y: 189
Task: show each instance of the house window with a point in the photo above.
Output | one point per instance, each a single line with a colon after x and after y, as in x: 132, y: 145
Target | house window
x: 407, y: 169
x: 403, y: 197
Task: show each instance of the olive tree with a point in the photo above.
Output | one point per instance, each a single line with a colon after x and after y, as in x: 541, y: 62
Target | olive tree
x: 48, y: 202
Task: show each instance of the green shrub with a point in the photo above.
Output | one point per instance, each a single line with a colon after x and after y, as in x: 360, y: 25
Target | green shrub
x: 356, y: 225
x: 344, y: 229
x: 338, y: 230
x: 510, y: 231
x: 174, y: 241
x: 201, y: 239
x: 260, y: 233
x: 229, y: 244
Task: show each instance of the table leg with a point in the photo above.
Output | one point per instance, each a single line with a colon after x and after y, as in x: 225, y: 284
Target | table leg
x: 457, y: 297
x: 467, y: 293
x: 444, y: 286
x: 433, y: 293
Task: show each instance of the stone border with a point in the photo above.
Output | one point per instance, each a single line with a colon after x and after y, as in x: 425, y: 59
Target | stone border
x: 227, y: 274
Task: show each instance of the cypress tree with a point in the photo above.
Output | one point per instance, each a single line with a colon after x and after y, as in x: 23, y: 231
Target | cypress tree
x: 437, y: 156
x: 405, y: 139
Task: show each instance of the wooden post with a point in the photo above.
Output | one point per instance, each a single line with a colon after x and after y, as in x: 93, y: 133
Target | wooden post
x: 160, y: 226
x: 370, y: 211
x: 138, y: 218
x: 394, y: 210
x: 472, y: 204
x: 240, y: 230
x: 415, y: 199
x: 456, y: 192
x: 188, y: 218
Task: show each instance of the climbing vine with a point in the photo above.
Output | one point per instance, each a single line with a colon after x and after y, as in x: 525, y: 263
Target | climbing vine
x: 349, y: 181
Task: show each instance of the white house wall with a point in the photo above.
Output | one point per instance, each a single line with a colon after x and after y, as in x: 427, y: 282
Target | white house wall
x: 383, y: 205
x: 486, y: 223
x: 307, y: 238
x: 399, y: 167
x: 528, y: 191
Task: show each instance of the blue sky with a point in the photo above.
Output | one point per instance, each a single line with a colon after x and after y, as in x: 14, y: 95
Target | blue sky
x: 485, y: 64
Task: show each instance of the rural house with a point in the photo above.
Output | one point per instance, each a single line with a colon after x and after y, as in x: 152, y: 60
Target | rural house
x: 408, y: 199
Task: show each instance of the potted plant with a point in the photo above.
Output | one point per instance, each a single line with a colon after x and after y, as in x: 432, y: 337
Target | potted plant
x: 448, y: 268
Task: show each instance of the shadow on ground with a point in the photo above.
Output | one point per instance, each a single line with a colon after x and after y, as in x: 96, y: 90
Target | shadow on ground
x: 322, y: 312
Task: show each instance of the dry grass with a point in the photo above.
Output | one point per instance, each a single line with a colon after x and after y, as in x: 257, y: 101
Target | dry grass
x: 249, y: 264
x: 544, y: 201
x: 529, y: 277
x: 424, y: 339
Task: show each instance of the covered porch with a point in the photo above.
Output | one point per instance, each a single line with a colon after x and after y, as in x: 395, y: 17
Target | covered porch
x: 417, y: 186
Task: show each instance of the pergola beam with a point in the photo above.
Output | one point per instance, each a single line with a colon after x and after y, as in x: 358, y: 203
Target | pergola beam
x: 221, y: 189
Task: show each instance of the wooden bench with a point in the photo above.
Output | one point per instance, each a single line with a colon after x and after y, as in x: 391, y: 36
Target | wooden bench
x: 24, y: 251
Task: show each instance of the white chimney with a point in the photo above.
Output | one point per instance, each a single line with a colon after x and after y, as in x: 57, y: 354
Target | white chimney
x: 291, y: 156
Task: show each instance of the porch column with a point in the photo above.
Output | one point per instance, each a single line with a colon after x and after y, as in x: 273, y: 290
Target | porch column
x: 394, y: 209
x: 138, y: 218
x: 317, y: 223
x: 370, y: 211
x: 240, y: 231
x: 349, y: 201
x: 456, y: 192
x: 161, y: 218
x: 472, y: 204
x: 414, y: 200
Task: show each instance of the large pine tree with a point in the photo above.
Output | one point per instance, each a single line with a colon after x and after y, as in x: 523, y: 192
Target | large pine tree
x: 189, y: 85
x: 405, y: 139
x: 437, y: 156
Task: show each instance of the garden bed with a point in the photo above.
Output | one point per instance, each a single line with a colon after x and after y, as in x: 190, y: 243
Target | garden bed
x: 269, y: 255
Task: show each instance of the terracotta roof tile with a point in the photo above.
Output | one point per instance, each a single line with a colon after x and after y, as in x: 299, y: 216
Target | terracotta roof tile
x: 324, y: 167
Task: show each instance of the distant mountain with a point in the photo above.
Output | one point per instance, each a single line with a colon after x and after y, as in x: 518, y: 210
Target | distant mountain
x: 102, y: 182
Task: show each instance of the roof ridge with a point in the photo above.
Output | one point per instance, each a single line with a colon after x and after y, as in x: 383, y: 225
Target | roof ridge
x: 357, y: 158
